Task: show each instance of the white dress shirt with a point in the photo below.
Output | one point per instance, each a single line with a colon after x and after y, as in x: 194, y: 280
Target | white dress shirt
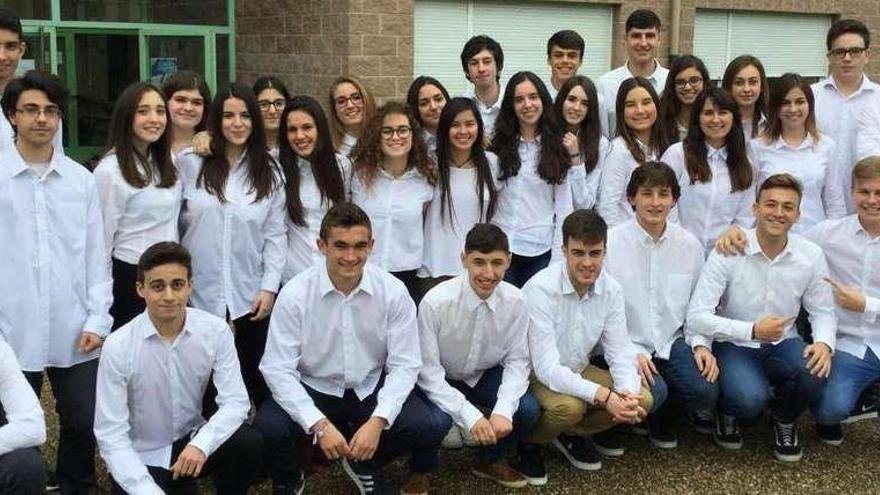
x: 584, y: 186
x: 430, y: 141
x: 349, y: 141
x: 135, y: 218
x: 657, y: 280
x: 734, y: 292
x: 444, y: 239
x: 814, y: 165
x: 868, y: 140
x: 330, y: 342
x: 531, y: 211
x: 548, y: 82
x: 238, y: 247
x: 838, y: 118
x: 53, y: 261
x: 707, y: 209
x: 617, y: 170
x: 462, y: 336
x: 302, y: 247
x: 488, y: 113
x: 853, y: 260
x: 150, y: 391
x: 564, y: 328
x: 396, y: 208
x: 25, y: 426
x: 609, y: 83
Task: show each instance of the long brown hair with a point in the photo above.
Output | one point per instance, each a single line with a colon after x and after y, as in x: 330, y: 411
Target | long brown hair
x: 658, y: 141
x: 734, y: 68
x: 337, y: 131
x: 778, y: 92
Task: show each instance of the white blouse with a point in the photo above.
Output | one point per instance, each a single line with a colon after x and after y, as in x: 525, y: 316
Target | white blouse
x: 135, y: 218
x: 585, y: 186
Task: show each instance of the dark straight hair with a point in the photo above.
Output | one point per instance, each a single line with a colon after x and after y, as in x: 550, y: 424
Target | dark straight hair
x: 778, y: 92
x: 695, y: 149
x: 10, y: 21
x: 270, y: 82
x: 670, y: 104
x: 121, y: 141
x: 412, y: 95
x: 658, y: 141
x: 187, y: 80
x: 325, y: 166
x: 262, y: 173
x: 733, y: 68
x: 589, y: 131
x: 554, y: 161
x: 485, y: 181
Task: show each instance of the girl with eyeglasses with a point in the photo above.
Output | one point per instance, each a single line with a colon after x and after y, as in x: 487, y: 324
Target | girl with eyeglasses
x: 393, y: 183
x: 353, y: 107
x: 534, y: 170
x: 718, y: 183
x: 188, y: 97
x: 745, y: 80
x: 687, y: 79
x: 426, y: 98
x: 272, y: 95
x: 315, y: 179
x: 232, y: 221
x: 577, y: 107
x: 638, y: 139
x: 139, y: 191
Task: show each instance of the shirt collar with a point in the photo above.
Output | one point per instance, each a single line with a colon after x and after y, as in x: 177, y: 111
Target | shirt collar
x: 865, y: 85
x: 753, y: 248
x: 646, y: 238
x: 407, y: 174
x: 568, y: 287
x: 716, y: 153
x: 472, y: 300
x: 325, y: 285
x: 652, y: 77
x: 806, y: 143
x: 19, y: 166
x: 148, y: 329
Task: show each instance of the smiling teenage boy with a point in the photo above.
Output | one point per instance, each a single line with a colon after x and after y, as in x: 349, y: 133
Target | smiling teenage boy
x: 482, y: 60
x: 565, y: 54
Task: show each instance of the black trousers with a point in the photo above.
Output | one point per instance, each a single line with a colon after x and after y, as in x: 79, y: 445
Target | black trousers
x: 523, y: 267
x: 126, y: 302
x: 233, y: 466
x: 250, y: 342
x: 409, y: 279
x: 22, y: 471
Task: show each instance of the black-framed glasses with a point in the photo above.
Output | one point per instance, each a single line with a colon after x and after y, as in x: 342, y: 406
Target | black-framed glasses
x: 854, y: 52
x: 278, y: 104
x: 354, y: 98
x: 692, y: 82
x: 33, y: 111
x: 403, y: 132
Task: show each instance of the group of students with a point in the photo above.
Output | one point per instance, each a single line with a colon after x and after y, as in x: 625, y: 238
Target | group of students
x: 582, y: 256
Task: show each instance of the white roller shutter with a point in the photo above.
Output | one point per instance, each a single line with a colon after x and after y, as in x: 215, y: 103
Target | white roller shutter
x: 521, y: 27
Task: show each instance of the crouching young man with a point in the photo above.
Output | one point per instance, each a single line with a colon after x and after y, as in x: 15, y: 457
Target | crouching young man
x: 574, y: 306
x: 22, y: 430
x: 473, y: 330
x: 152, y: 379
x: 341, y: 360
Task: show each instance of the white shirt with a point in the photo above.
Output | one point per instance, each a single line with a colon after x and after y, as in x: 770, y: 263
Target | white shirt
x: 853, y: 260
x: 838, y: 118
x: 489, y: 113
x: 746, y: 288
x: 565, y: 328
x: 584, y: 186
x: 331, y: 342
x: 444, y: 239
x: 56, y: 272
x: 868, y: 140
x: 25, y: 426
x: 657, y: 280
x: 548, y: 82
x: 531, y: 211
x: 609, y: 83
x: 302, y: 247
x: 462, y: 336
x: 616, y: 172
x: 238, y: 247
x: 707, y: 209
x: 348, y: 143
x: 150, y: 391
x: 430, y: 141
x: 814, y: 166
x: 396, y: 207
x: 135, y: 218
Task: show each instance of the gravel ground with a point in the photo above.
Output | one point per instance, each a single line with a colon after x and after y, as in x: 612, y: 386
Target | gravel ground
x: 697, y: 465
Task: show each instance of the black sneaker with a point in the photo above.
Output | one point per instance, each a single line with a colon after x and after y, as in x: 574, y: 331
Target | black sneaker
x: 661, y: 434
x: 702, y: 421
x: 787, y: 443
x: 726, y: 432
x: 293, y: 488
x: 368, y: 480
x: 52, y: 481
x: 867, y: 406
x: 830, y: 434
x: 530, y: 463
x: 608, y: 443
x: 579, y: 451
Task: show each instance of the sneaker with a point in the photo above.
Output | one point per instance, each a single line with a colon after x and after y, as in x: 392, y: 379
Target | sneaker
x: 368, y: 480
x: 530, y: 463
x: 640, y: 429
x: 726, y: 432
x: 830, y: 434
x: 453, y: 439
x: 867, y: 406
x: 52, y: 481
x: 295, y: 488
x: 787, y: 443
x: 702, y: 420
x: 467, y: 439
x: 417, y: 484
x: 579, y: 451
x: 501, y: 473
x: 608, y: 443
x: 661, y: 434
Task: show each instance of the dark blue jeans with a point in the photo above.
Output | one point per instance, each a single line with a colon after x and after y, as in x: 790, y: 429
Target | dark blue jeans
x: 22, y: 472
x: 680, y: 387
x: 420, y: 425
x: 747, y: 374
x: 74, y: 390
x: 523, y: 267
x: 850, y: 376
x: 483, y: 395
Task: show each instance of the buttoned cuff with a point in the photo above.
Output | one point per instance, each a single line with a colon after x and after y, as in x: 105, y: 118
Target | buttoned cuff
x: 204, y: 442
x: 309, y: 416
x: 742, y: 330
x: 271, y: 282
x: 587, y: 390
x: 872, y: 307
x: 470, y: 415
x: 387, y: 411
x: 505, y: 408
x: 700, y: 340
x: 98, y: 324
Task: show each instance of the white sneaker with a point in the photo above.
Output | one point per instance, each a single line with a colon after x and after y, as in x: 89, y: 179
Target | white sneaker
x: 453, y: 439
